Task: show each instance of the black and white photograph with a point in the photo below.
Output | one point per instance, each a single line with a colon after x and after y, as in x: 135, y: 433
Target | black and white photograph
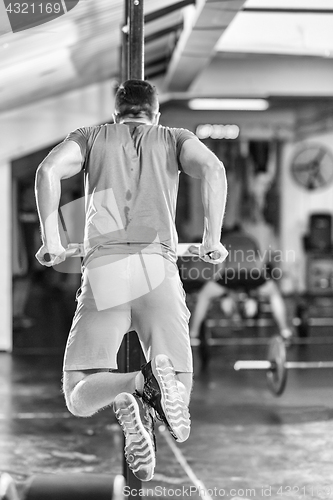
x: 166, y: 256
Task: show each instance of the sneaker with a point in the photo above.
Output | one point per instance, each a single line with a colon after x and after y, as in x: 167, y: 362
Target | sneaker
x: 161, y: 392
x: 138, y: 426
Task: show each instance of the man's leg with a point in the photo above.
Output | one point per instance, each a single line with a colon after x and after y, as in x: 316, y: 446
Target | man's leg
x: 87, y: 392
x: 211, y: 290
x: 168, y: 393
x: 94, y: 341
x: 160, y: 318
x: 278, y: 307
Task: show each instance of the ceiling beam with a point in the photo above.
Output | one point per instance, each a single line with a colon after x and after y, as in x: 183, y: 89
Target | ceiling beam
x: 157, y: 14
x: 161, y: 33
x: 203, y: 26
x: 288, y: 10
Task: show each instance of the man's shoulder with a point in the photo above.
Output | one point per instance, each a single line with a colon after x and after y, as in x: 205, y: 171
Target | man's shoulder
x: 98, y: 128
x: 100, y: 132
x: 102, y: 127
x: 176, y: 132
x: 174, y: 129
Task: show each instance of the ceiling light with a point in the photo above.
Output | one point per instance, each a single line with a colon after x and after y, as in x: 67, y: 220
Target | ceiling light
x: 216, y: 131
x: 229, y: 104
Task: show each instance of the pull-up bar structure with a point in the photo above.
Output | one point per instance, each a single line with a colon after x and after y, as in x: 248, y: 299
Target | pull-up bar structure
x: 132, y: 64
x: 132, y: 67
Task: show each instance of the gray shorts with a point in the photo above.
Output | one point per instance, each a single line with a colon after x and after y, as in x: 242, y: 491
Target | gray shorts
x: 121, y: 293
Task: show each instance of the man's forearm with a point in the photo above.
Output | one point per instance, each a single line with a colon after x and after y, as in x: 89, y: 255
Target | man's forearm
x: 48, y: 191
x: 214, y: 196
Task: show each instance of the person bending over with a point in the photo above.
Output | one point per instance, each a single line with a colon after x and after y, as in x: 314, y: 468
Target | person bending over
x: 130, y: 280
x: 222, y: 287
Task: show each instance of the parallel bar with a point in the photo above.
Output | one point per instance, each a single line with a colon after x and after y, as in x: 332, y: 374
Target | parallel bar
x: 64, y: 227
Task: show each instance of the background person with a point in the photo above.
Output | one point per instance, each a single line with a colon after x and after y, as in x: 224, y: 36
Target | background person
x: 254, y: 226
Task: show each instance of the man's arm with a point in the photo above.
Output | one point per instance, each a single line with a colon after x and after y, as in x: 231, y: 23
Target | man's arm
x: 199, y: 162
x: 64, y: 161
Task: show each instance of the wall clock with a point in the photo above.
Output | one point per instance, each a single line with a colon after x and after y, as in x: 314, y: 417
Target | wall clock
x: 312, y: 166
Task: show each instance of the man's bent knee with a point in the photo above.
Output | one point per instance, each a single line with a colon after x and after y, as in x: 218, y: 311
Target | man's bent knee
x: 69, y: 383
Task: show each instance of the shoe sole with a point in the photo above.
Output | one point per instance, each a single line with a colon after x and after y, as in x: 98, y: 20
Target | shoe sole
x: 139, y: 448
x: 174, y: 413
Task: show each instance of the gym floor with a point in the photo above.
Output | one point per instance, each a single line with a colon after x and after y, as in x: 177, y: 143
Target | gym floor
x: 245, y: 443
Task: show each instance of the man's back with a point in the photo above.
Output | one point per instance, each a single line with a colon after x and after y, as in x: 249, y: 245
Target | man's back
x: 131, y: 174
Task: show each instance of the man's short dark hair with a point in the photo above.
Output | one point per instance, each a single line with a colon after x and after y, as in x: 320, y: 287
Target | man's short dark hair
x: 136, y: 97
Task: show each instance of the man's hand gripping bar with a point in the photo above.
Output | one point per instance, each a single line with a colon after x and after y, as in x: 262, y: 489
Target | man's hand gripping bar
x: 73, y: 250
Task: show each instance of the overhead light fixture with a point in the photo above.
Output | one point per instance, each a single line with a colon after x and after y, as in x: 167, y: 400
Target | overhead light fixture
x: 228, y: 104
x: 217, y: 131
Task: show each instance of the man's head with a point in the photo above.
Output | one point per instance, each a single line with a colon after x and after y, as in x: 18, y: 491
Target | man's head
x: 136, y: 99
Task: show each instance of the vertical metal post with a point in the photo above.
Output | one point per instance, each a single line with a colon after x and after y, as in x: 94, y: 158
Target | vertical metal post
x: 136, y: 39
x: 132, y: 53
x: 124, y: 46
x: 132, y: 67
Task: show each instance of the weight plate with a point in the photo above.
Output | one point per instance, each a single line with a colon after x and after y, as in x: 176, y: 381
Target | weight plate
x: 277, y: 375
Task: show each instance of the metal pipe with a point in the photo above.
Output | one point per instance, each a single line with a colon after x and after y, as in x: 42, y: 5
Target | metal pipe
x: 131, y: 356
x: 124, y: 46
x: 308, y: 365
x: 289, y: 365
x: 136, y: 39
x: 252, y: 365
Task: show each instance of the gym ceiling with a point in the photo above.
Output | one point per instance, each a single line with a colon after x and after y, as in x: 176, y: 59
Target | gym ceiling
x: 190, y: 46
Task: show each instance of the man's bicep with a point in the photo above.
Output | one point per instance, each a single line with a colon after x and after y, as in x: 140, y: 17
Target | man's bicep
x: 194, y: 157
x: 65, y: 159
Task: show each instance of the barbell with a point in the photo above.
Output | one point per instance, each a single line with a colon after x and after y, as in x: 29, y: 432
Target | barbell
x: 63, y: 487
x: 277, y: 366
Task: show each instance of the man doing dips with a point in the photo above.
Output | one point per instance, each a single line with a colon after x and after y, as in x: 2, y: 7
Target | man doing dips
x: 130, y: 280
